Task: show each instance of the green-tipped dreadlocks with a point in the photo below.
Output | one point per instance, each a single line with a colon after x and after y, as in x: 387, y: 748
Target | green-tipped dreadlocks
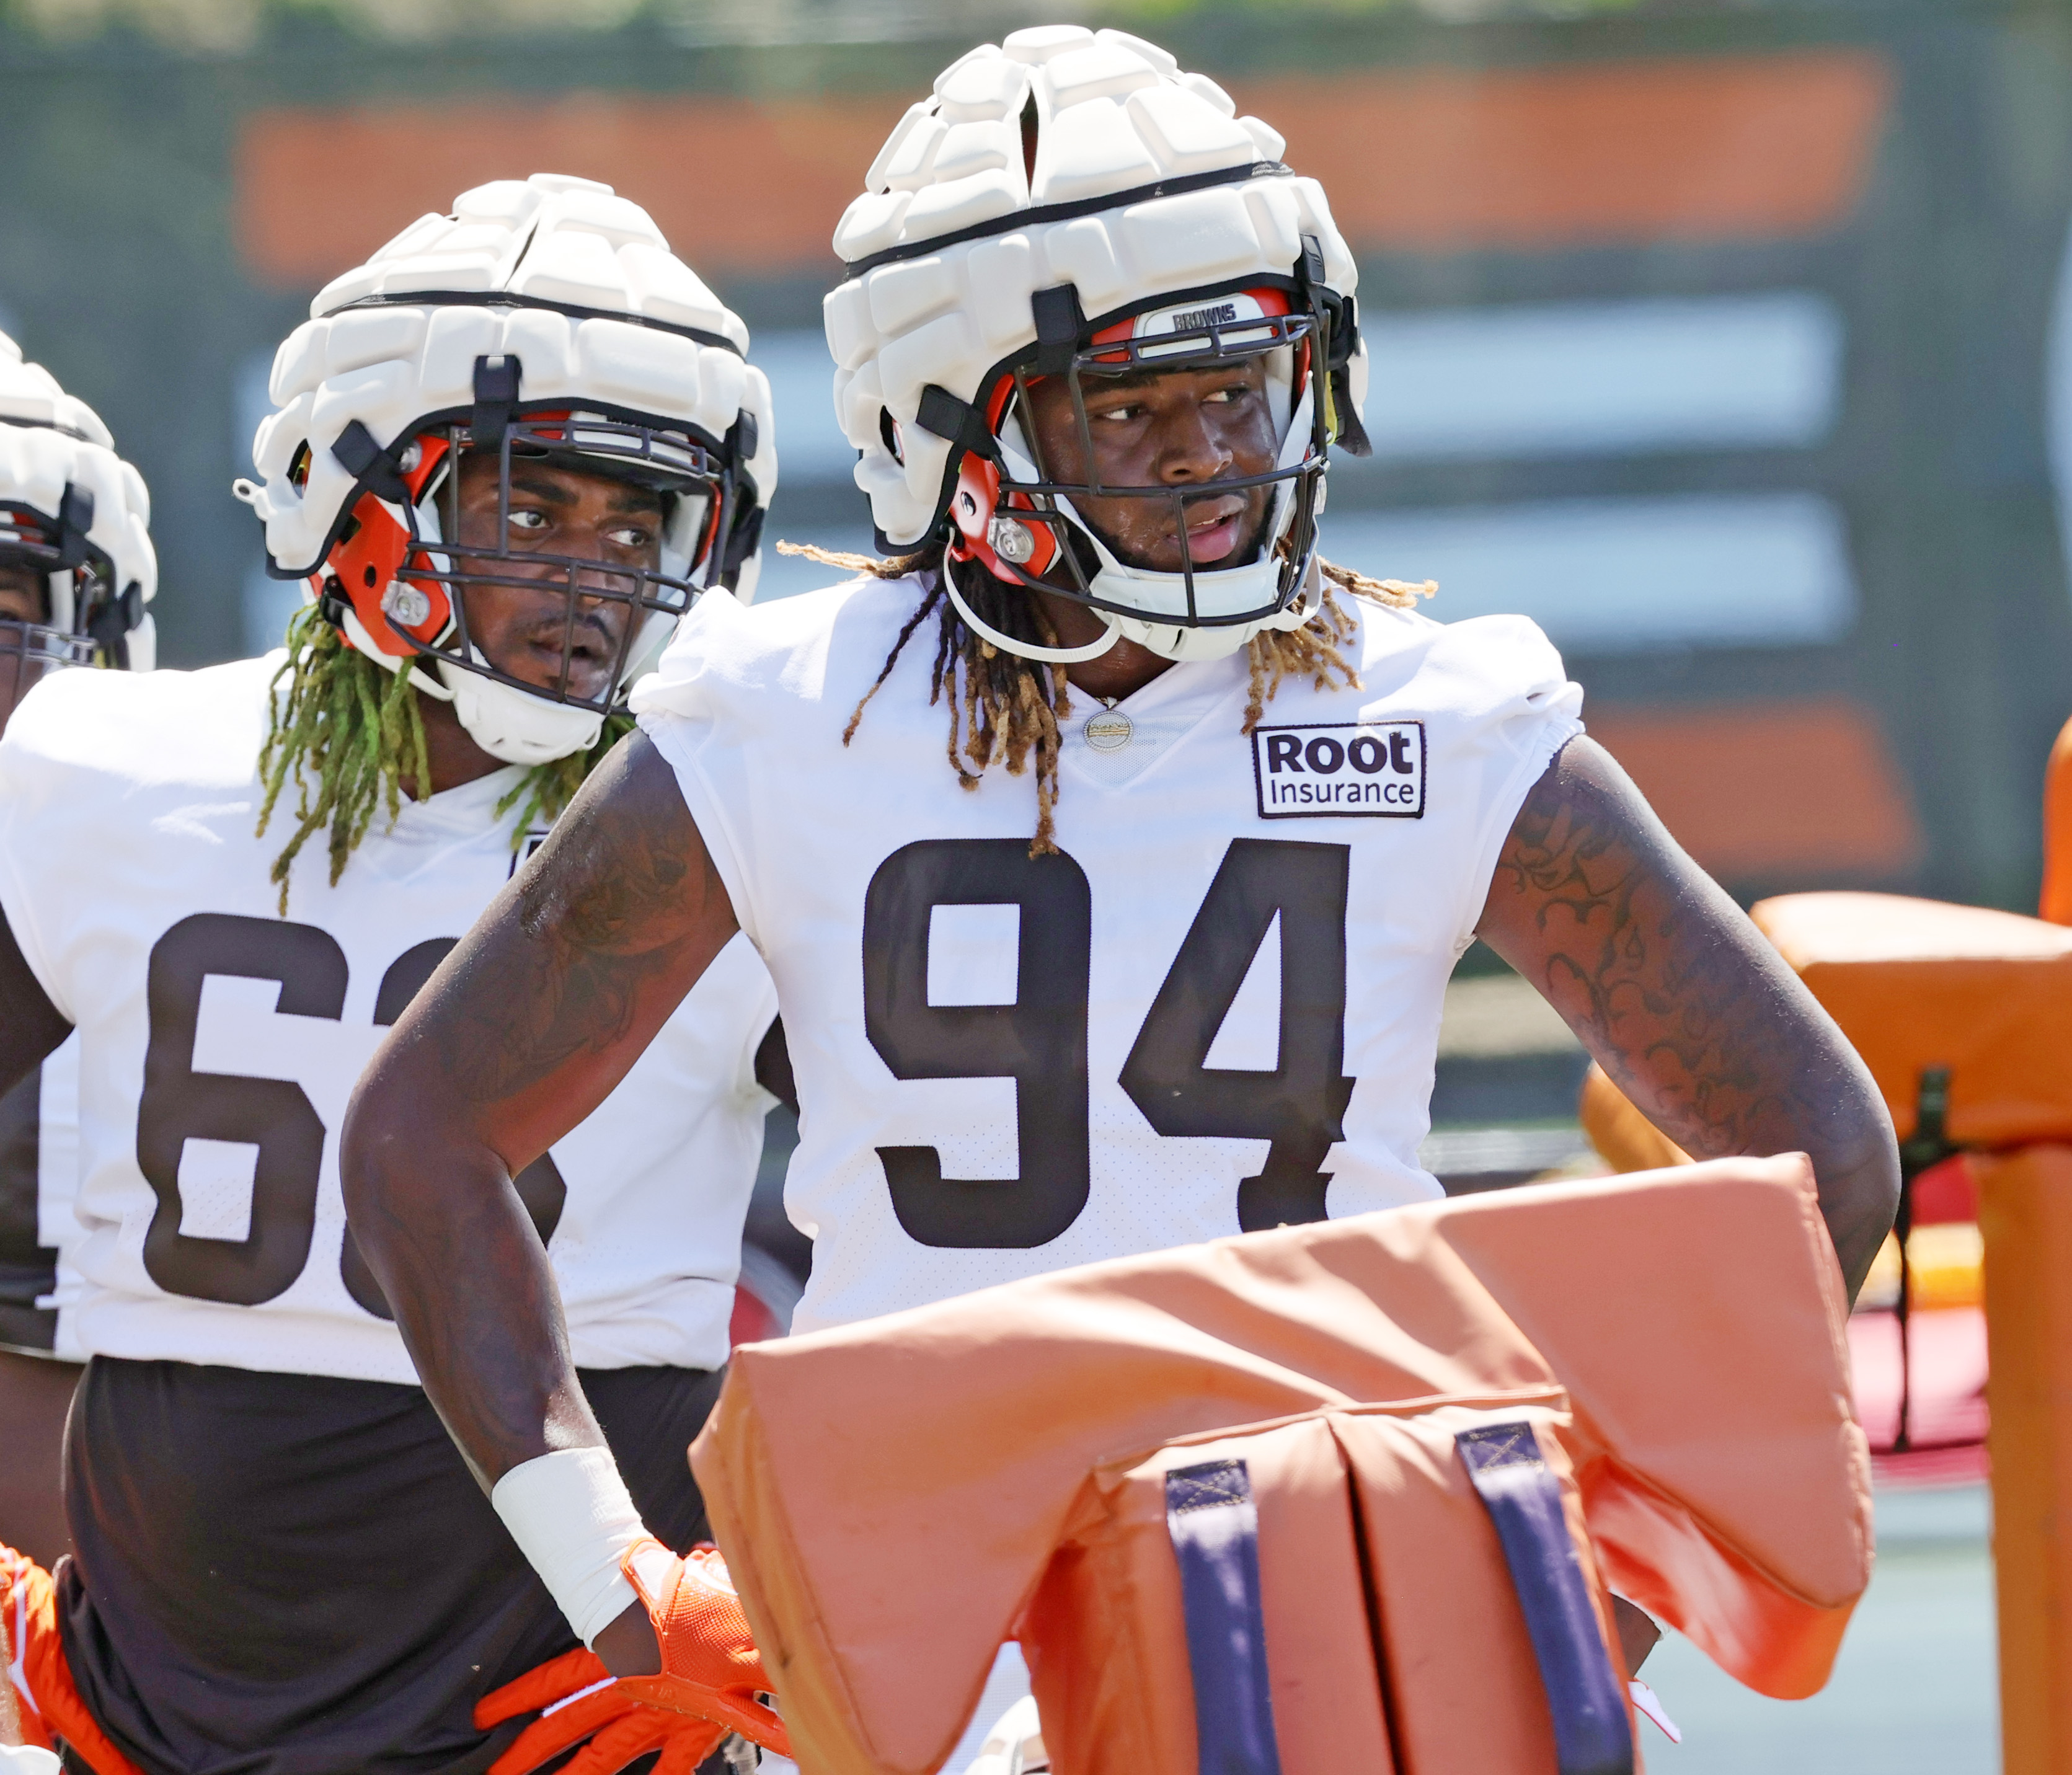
x: 359, y: 725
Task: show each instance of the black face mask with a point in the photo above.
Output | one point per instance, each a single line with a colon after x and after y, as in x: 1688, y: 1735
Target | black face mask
x: 30, y: 652
x: 602, y: 609
x: 98, y: 634
x: 1040, y: 503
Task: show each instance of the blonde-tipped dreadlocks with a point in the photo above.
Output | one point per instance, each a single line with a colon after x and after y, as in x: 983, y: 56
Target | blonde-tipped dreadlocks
x: 357, y: 727
x: 1007, y: 707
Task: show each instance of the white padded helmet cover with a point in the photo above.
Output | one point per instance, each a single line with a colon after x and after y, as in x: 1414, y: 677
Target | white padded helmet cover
x: 49, y: 440
x: 1114, y: 114
x: 548, y: 238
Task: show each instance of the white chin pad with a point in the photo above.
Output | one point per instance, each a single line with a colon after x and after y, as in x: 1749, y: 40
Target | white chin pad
x: 514, y: 725
x: 1196, y: 645
x: 1189, y: 647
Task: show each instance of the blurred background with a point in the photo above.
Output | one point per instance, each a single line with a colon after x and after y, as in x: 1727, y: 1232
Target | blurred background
x: 1723, y: 339
x: 1731, y: 341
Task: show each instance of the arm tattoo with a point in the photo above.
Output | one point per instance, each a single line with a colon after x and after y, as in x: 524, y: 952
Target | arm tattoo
x: 527, y: 1026
x: 622, y: 896
x: 1642, y: 966
x: 1696, y: 1017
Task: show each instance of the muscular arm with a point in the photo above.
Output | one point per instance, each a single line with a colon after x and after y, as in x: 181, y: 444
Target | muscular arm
x: 1696, y: 1018
x: 524, y: 1029
x: 30, y: 1026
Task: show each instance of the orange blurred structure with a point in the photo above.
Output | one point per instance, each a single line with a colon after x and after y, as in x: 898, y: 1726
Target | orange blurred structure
x: 1751, y: 147
x: 1624, y: 1138
x: 1965, y: 1013
x: 1916, y: 984
x: 2025, y: 1212
x: 895, y: 1497
x: 1919, y: 985
x: 2055, y: 902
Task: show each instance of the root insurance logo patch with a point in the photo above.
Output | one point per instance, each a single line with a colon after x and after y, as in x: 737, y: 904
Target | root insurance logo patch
x: 1375, y: 768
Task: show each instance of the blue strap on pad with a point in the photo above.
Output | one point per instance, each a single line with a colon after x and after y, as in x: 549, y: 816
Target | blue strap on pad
x: 1215, y: 1527
x: 1593, y: 1734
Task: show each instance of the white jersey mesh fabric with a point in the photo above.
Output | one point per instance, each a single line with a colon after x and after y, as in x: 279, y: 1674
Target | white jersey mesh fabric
x: 574, y: 281
x: 1087, y: 1046
x: 49, y: 441
x: 1113, y: 115
x: 219, y: 1043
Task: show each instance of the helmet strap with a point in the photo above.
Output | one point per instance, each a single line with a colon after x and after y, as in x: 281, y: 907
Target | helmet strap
x: 496, y: 400
x: 1061, y: 324
x: 1026, y: 650
x: 75, y: 520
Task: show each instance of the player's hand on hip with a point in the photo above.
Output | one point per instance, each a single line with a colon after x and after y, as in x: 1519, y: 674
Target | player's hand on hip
x: 47, y: 1702
x: 710, y: 1667
x: 576, y: 1698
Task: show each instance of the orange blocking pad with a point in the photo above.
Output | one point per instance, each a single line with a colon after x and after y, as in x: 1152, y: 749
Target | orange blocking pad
x: 1112, y: 1681
x: 1449, y: 1623
x: 2025, y: 1212
x: 1107, y: 1649
x: 893, y: 1496
x: 1916, y: 983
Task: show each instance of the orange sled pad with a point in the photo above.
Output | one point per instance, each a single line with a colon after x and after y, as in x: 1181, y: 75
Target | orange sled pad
x: 1917, y: 983
x: 1395, y: 1644
x: 896, y: 1497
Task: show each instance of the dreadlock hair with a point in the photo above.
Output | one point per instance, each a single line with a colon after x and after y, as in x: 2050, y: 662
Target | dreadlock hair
x: 1004, y: 709
x: 351, y: 734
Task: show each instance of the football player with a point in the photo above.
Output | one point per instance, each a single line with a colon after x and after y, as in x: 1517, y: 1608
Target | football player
x: 76, y: 572
x: 509, y: 452
x: 1157, y: 953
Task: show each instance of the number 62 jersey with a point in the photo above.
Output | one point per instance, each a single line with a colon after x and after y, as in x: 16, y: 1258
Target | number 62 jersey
x: 219, y: 1043
x: 1216, y: 1009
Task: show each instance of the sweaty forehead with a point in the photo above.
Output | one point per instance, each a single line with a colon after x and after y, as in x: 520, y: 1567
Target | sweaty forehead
x: 1096, y: 381
x: 558, y: 482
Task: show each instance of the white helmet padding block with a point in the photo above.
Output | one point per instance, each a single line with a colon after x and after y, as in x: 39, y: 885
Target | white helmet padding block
x: 1114, y: 116
x: 51, y: 443
x: 549, y: 240
x: 577, y: 287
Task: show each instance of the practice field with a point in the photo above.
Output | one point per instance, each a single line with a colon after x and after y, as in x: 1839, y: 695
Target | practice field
x: 1914, y: 1692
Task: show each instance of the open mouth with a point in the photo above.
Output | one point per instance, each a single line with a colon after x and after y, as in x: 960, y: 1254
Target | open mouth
x: 591, y: 650
x: 1215, y: 530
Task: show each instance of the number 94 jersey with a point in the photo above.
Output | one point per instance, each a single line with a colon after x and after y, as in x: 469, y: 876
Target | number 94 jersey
x: 219, y: 1044
x: 1216, y: 1009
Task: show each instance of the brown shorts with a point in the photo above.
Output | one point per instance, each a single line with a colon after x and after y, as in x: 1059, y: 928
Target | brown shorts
x: 292, y: 1575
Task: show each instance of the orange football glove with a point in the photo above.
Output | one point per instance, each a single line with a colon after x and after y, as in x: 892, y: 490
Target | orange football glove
x: 710, y: 1667
x: 50, y: 1707
x: 576, y: 1697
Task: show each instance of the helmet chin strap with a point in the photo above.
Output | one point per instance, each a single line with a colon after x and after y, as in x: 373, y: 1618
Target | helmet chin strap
x: 1026, y: 650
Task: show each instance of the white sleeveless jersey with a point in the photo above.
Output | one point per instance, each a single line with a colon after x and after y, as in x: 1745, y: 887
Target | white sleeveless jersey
x: 1218, y: 1010
x: 219, y: 1044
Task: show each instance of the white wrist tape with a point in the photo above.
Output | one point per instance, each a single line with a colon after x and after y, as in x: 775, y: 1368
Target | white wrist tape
x: 571, y: 1515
